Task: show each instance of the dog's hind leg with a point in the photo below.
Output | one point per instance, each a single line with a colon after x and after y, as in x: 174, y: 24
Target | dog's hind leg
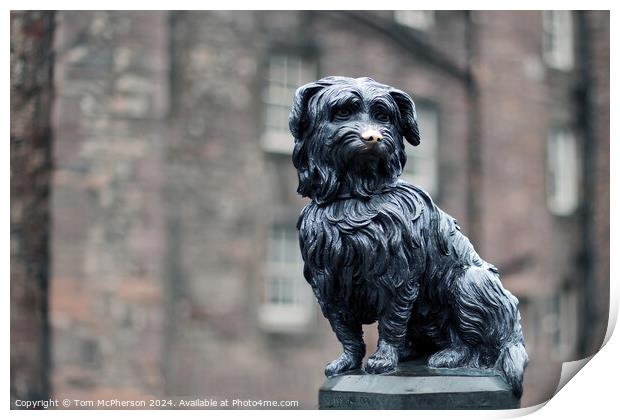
x: 486, y: 330
x: 457, y: 354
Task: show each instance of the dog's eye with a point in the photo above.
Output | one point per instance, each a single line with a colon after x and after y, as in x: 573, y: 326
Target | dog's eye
x: 382, y: 116
x: 343, y: 113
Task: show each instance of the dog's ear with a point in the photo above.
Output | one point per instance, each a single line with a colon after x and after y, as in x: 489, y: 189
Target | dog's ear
x: 298, y: 119
x: 408, y: 117
x: 298, y: 122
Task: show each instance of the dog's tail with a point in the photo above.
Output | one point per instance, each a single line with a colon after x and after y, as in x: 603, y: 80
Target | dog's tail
x: 511, y: 363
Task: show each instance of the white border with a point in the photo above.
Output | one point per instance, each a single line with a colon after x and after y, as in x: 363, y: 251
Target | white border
x: 592, y: 395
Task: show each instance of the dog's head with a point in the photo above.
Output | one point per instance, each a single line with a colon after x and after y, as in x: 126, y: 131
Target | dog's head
x: 349, y: 136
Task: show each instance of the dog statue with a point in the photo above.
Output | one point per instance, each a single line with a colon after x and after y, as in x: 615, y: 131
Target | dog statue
x: 376, y: 248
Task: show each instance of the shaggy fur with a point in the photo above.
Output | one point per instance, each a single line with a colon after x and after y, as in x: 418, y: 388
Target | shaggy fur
x: 378, y: 249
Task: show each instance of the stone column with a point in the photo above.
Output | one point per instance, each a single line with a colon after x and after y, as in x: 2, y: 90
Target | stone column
x: 31, y: 145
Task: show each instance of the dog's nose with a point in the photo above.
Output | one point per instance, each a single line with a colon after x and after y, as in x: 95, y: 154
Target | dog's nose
x: 372, y: 136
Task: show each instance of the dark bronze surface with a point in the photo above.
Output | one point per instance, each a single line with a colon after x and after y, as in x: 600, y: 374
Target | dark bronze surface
x: 377, y: 248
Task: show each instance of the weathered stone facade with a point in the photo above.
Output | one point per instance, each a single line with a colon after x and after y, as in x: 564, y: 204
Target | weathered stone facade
x: 107, y: 296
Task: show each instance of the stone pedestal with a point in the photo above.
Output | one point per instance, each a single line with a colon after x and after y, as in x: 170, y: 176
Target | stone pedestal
x: 416, y: 387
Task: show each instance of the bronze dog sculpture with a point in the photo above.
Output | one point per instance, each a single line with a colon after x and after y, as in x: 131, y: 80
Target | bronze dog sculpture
x: 376, y: 248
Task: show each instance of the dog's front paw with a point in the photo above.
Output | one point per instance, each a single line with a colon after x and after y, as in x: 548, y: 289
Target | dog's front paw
x: 384, y: 360
x: 345, y: 362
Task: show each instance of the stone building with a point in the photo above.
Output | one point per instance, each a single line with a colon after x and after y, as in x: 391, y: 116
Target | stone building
x: 175, y: 263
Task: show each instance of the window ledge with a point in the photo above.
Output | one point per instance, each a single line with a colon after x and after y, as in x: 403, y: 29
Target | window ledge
x: 284, y: 318
x: 277, y: 143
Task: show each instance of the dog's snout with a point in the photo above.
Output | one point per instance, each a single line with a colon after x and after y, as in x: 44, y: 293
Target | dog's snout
x: 372, y: 136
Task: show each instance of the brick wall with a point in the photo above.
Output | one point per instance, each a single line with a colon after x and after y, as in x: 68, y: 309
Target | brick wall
x: 107, y: 291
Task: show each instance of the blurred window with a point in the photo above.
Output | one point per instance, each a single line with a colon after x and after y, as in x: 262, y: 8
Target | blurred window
x: 288, y: 302
x: 416, y: 19
x: 562, y: 172
x: 558, y: 39
x: 422, y: 160
x: 285, y: 74
x: 527, y: 310
x: 566, y: 328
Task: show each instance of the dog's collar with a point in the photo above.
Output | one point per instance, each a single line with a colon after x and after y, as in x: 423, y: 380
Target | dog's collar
x: 344, y: 196
x: 348, y: 195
